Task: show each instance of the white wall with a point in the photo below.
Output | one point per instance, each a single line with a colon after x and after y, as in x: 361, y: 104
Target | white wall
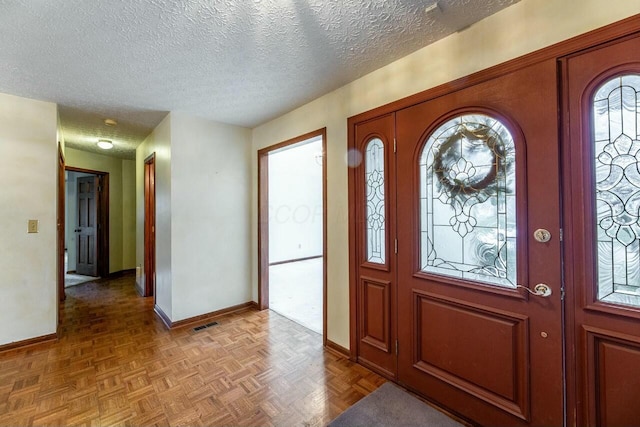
x: 28, y: 172
x: 210, y: 212
x: 524, y: 27
x: 158, y: 142
x: 121, y: 203
x: 295, y: 202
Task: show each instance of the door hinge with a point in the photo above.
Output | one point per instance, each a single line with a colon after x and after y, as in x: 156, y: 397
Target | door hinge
x: 562, y: 294
x: 99, y: 189
x: 560, y: 236
x: 394, y: 145
x: 396, y: 246
x: 396, y: 347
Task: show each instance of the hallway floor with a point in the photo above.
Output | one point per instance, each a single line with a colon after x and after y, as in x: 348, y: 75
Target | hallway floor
x: 295, y: 291
x: 116, y: 364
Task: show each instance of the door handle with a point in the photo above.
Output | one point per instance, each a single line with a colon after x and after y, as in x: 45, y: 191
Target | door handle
x: 540, y: 290
x: 77, y: 230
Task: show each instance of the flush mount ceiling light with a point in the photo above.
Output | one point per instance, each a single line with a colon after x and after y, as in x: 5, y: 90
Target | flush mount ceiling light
x: 431, y: 7
x: 105, y: 144
x: 110, y: 122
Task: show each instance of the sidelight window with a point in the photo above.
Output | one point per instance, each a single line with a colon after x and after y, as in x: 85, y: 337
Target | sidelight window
x: 616, y: 161
x: 468, y: 201
x: 375, y: 211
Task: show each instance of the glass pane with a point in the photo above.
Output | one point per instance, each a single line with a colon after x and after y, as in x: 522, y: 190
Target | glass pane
x: 374, y: 182
x: 617, y: 189
x: 468, y: 203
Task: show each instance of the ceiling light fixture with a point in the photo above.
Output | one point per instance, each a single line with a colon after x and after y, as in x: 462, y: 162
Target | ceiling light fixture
x: 431, y: 7
x: 105, y: 144
x: 110, y: 122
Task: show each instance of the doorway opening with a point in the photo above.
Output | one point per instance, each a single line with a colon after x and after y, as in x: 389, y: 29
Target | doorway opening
x: 86, y: 237
x: 150, y: 227
x: 292, y: 230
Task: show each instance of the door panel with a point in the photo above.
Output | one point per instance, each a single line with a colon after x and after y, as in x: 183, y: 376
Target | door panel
x: 86, y: 230
x: 602, y: 160
x: 449, y: 349
x: 471, y: 337
x: 375, y: 234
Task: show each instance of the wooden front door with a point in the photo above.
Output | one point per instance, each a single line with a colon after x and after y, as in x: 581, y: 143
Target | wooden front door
x: 478, y: 175
x: 375, y: 254
x: 603, y: 231
x: 86, y: 227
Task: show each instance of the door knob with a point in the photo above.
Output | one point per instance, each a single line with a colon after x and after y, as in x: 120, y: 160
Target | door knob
x: 540, y: 290
x: 541, y: 235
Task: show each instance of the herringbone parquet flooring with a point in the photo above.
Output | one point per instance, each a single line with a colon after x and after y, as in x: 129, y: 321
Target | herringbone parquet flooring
x: 116, y: 364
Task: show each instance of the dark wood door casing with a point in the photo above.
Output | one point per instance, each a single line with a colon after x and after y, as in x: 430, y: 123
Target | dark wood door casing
x: 605, y: 386
x: 149, y: 226
x: 87, y: 226
x: 263, y: 221
x: 103, y: 217
x: 62, y: 189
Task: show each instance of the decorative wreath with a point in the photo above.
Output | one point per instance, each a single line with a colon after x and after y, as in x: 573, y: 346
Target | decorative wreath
x: 458, y: 175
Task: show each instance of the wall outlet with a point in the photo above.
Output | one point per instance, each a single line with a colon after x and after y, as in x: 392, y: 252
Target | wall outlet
x: 32, y: 226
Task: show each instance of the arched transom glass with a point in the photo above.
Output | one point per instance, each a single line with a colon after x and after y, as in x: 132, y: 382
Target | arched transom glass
x: 468, y: 201
x: 375, y: 210
x: 616, y: 161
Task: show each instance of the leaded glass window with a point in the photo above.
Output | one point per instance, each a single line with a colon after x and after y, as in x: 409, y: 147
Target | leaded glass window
x: 616, y: 161
x: 375, y: 211
x: 468, y: 201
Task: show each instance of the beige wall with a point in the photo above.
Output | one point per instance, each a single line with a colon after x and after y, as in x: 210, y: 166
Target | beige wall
x: 122, y: 203
x: 210, y: 211
x: 202, y: 215
x: 517, y: 30
x: 28, y: 172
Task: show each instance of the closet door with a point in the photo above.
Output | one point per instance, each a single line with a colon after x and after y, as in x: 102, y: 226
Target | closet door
x: 603, y: 234
x: 479, y: 271
x: 375, y: 258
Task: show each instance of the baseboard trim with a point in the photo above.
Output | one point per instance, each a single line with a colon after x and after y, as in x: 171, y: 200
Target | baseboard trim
x: 336, y: 348
x: 29, y: 342
x: 204, y: 317
x: 287, y: 261
x: 251, y: 305
x: 122, y: 273
x: 163, y: 316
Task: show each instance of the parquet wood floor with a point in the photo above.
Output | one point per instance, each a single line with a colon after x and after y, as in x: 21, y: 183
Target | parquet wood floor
x: 116, y: 364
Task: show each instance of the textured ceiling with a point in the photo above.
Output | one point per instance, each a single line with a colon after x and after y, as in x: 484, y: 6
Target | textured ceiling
x: 241, y: 62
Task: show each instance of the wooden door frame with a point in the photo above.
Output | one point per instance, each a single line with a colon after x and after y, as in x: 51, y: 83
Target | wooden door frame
x: 623, y: 28
x: 62, y: 190
x: 103, y: 218
x: 149, y: 227
x: 263, y: 221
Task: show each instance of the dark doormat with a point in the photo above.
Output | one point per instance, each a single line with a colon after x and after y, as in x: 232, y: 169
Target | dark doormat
x: 390, y: 405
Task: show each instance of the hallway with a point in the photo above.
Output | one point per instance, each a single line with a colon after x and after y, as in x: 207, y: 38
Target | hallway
x: 116, y: 364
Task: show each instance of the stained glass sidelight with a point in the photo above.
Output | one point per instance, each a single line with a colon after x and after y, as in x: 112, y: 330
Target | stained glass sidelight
x: 616, y: 143
x: 374, y: 183
x: 467, y: 201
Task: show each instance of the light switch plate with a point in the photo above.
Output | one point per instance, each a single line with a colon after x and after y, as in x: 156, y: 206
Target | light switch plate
x: 33, y: 226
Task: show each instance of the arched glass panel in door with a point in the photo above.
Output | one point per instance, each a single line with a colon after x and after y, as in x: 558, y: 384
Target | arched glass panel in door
x: 468, y: 201
x: 375, y: 209
x: 616, y: 162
